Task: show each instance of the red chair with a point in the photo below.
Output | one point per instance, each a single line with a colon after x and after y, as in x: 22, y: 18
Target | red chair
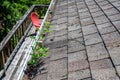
x: 35, y: 20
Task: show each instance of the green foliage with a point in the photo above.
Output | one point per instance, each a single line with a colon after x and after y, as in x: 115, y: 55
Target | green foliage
x: 12, y: 10
x: 32, y: 37
x: 33, y: 62
x: 41, y: 37
x: 39, y: 52
x: 47, y: 26
x: 46, y: 30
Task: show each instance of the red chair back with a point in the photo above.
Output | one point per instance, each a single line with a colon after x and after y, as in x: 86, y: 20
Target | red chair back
x: 34, y: 16
x: 35, y: 19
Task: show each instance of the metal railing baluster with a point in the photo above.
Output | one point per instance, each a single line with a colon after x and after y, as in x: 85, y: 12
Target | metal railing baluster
x: 3, y: 60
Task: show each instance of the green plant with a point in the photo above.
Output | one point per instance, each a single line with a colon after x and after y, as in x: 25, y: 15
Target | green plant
x: 47, y: 26
x: 41, y: 37
x: 46, y: 30
x: 32, y: 37
x: 39, y: 52
x: 36, y: 61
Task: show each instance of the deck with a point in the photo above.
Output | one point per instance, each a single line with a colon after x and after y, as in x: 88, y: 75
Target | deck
x: 85, y: 41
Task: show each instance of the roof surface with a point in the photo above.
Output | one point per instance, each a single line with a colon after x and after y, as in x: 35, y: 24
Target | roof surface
x: 85, y: 41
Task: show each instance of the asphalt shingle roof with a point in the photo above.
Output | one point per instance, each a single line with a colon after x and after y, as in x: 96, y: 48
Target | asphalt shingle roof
x: 85, y: 41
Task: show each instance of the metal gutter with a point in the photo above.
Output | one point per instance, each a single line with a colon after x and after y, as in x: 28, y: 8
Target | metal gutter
x: 34, y: 42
